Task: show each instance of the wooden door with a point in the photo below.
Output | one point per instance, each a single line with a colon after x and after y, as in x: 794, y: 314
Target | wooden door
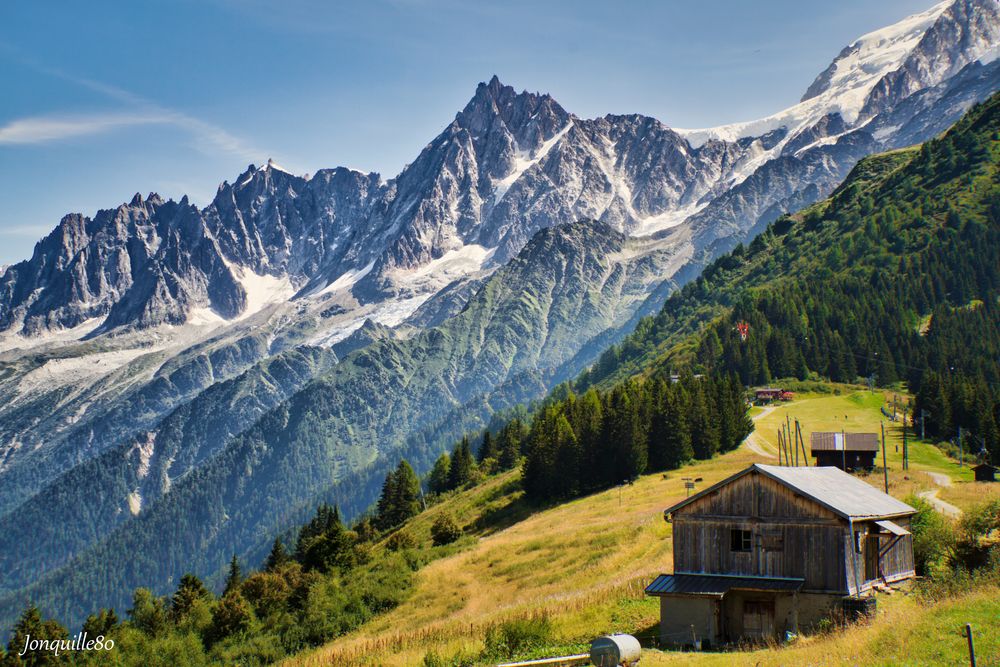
x: 758, y: 618
x: 871, y: 557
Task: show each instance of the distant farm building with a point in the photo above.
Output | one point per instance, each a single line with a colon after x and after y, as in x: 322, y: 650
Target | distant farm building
x: 772, y: 549
x: 768, y: 394
x: 853, y: 451
x: 984, y: 472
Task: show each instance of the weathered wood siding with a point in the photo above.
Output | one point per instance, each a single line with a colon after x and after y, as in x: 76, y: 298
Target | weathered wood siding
x: 882, y: 557
x: 792, y: 536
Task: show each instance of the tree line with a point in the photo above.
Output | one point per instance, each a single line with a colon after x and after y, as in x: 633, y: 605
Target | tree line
x: 581, y: 444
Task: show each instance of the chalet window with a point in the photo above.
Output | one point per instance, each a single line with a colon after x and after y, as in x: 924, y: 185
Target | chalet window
x: 857, y: 541
x: 740, y: 540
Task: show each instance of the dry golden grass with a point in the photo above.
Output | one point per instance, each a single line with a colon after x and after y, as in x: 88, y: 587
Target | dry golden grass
x: 575, y: 561
x: 904, y: 632
x: 586, y: 562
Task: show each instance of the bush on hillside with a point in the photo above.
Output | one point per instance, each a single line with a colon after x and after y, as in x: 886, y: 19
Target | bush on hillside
x: 516, y: 636
x: 933, y: 536
x: 445, y: 530
x: 401, y: 539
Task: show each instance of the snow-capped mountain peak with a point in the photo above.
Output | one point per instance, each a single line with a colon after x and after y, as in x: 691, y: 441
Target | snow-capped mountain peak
x: 508, y: 165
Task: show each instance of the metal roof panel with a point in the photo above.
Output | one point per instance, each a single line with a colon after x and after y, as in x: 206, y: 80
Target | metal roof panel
x: 831, y: 487
x: 717, y: 585
x: 839, y: 491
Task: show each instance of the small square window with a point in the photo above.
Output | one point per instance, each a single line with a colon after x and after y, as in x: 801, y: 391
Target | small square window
x: 740, y: 540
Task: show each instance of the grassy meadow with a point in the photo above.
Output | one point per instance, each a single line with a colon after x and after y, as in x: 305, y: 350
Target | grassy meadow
x: 585, y: 563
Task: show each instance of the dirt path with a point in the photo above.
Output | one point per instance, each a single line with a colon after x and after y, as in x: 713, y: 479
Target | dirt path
x: 755, y: 443
x: 942, y: 506
x: 939, y: 478
x: 931, y: 496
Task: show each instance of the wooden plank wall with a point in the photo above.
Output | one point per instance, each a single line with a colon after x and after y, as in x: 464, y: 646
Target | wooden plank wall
x: 792, y: 536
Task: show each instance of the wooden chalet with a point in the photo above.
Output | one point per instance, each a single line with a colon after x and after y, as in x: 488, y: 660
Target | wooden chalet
x: 847, y: 451
x: 772, y: 549
x: 984, y: 472
x: 768, y: 394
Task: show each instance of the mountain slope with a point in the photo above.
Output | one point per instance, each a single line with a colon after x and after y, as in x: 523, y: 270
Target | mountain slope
x: 337, y: 434
x: 91, y: 499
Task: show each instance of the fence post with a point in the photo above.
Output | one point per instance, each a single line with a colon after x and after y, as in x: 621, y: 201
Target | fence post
x: 972, y: 646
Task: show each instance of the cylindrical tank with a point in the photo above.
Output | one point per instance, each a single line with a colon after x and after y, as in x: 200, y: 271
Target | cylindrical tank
x: 615, y: 650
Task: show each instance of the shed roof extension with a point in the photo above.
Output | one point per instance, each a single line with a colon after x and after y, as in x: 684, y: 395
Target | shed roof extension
x: 717, y: 585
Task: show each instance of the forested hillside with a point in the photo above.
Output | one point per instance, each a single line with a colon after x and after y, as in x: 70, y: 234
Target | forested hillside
x: 894, y: 277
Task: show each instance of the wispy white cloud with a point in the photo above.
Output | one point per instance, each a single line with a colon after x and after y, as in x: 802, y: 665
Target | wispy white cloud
x: 208, y: 137
x: 44, y: 129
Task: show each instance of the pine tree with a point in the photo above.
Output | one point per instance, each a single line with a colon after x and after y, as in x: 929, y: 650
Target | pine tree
x: 509, y: 444
x: 540, y: 464
x: 100, y: 624
x: 147, y: 613
x: 189, y: 592
x: 488, y: 448
x: 567, y: 459
x: 677, y: 428
x: 384, y: 508
x: 437, y: 481
x: 400, y: 499
x: 704, y: 431
x: 235, y: 576
x: 587, y: 418
x: 462, y: 465
x: 31, y: 624
x: 407, y: 503
x: 625, y: 436
x: 278, y: 557
x: 324, y: 543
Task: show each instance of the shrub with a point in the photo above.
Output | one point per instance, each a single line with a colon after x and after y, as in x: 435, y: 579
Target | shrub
x: 445, y: 530
x: 233, y: 615
x: 978, y: 536
x: 518, y: 635
x: 933, y: 536
x: 401, y: 539
x: 432, y: 659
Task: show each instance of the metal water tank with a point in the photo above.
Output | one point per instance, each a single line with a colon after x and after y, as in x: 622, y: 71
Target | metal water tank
x: 615, y: 650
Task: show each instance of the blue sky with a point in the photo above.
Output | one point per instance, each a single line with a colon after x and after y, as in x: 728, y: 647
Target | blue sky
x: 104, y: 99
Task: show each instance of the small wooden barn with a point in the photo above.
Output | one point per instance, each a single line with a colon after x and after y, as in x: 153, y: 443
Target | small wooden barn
x: 984, y: 472
x: 772, y: 549
x: 768, y: 394
x: 847, y: 451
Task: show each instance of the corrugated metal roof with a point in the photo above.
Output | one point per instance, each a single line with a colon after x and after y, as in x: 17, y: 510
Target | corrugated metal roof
x: 893, y: 528
x: 717, y: 585
x: 839, y: 492
x: 821, y: 441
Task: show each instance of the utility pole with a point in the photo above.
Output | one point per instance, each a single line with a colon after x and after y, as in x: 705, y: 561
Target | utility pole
x: 800, y: 440
x: 843, y: 447
x: 961, y: 455
x: 885, y: 466
x: 906, y: 461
